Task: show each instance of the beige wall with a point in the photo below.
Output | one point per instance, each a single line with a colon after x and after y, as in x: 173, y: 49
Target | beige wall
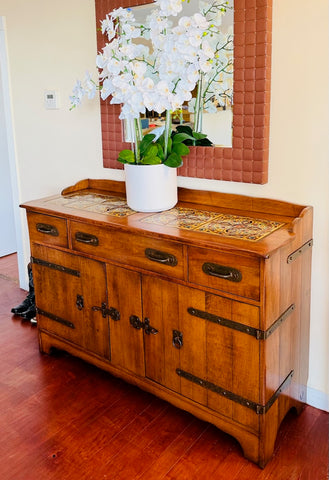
x: 51, y: 43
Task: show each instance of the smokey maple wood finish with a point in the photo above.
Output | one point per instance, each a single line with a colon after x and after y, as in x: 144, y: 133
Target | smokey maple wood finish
x: 232, y: 353
x: 64, y: 419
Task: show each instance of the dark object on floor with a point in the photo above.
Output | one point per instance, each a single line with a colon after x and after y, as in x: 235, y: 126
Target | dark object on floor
x: 27, y: 309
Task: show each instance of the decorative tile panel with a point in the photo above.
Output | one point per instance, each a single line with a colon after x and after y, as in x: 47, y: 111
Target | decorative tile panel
x: 104, y: 204
x: 222, y: 224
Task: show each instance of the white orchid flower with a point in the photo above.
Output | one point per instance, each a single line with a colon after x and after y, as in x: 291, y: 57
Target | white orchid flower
x: 108, y: 27
x: 123, y: 14
x: 169, y: 7
x: 163, y: 76
x: 200, y: 21
x: 130, y: 31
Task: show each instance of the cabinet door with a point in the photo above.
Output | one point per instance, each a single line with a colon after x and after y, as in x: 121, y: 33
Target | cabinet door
x: 225, y: 358
x: 191, y: 352
x: 162, y: 351
x: 124, y: 295
x: 67, y: 287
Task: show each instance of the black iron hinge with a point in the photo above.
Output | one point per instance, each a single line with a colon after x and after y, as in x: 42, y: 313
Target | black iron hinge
x: 254, y: 332
x: 256, y: 407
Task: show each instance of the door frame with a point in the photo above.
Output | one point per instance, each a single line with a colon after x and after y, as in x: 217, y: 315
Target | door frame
x: 5, y: 81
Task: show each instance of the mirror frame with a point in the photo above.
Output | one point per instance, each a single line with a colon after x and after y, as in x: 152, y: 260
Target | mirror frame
x: 247, y: 160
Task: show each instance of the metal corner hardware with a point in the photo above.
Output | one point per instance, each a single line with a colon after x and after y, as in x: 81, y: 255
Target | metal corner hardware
x: 263, y: 335
x: 294, y: 255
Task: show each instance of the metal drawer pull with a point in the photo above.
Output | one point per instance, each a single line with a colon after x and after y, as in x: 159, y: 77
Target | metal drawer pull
x: 220, y: 271
x: 161, y: 257
x: 86, y: 238
x: 47, y: 229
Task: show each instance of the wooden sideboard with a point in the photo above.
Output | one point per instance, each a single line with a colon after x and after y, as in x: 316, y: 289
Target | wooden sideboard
x: 206, y: 305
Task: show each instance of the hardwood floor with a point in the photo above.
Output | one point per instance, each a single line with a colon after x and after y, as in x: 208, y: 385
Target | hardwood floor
x: 63, y: 419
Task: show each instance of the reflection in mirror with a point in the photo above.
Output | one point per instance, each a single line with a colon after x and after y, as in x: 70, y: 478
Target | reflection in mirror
x: 247, y: 159
x: 216, y: 93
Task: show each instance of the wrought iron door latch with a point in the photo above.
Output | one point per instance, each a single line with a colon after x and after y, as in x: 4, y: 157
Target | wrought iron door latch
x: 79, y: 302
x: 112, y: 312
x: 177, y: 339
x: 136, y: 322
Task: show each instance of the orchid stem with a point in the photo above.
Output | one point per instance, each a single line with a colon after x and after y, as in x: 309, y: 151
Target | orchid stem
x: 167, y: 132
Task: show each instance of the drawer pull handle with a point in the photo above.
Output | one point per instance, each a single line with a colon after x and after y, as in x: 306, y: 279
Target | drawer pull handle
x: 47, y: 229
x: 220, y: 271
x: 161, y: 257
x: 86, y: 238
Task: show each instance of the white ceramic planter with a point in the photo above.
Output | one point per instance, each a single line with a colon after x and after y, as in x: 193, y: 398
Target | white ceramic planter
x: 151, y: 188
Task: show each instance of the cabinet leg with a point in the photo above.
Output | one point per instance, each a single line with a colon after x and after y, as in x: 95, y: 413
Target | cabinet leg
x: 44, y: 345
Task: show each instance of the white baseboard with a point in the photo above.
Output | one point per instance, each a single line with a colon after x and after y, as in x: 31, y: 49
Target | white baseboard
x: 317, y: 399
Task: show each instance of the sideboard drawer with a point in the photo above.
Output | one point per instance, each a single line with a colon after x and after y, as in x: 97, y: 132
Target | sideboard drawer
x: 151, y: 254
x: 230, y: 273
x: 47, y: 229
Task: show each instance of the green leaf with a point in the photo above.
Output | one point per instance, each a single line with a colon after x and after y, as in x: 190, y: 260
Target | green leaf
x: 174, y: 160
x: 151, y: 150
x: 184, y: 129
x: 160, y: 152
x: 151, y: 160
x: 126, y: 156
x: 180, y: 149
x: 198, y: 135
x: 160, y: 141
x: 204, y: 142
x: 147, y: 140
x: 180, y: 137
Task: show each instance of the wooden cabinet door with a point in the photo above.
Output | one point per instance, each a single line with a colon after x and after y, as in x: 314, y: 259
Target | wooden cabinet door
x: 67, y: 287
x: 190, y: 353
x: 161, y: 308
x: 124, y: 295
x: 224, y: 357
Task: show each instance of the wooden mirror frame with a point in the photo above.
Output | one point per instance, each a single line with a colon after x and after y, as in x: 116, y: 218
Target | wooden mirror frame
x: 247, y: 160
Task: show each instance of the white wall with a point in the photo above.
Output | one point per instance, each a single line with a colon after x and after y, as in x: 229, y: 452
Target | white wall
x: 52, y: 43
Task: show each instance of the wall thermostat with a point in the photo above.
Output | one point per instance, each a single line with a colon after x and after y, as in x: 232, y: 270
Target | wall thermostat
x: 51, y: 100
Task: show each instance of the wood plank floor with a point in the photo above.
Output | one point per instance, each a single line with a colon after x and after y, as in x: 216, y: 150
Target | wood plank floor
x: 63, y: 419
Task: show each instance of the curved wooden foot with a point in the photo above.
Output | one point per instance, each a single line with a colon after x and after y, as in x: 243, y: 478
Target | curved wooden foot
x: 45, y: 346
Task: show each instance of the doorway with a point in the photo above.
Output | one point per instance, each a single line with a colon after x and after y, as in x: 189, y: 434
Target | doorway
x: 10, y: 223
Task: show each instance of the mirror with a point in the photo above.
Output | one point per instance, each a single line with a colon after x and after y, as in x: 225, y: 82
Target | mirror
x: 247, y: 159
x: 217, y: 85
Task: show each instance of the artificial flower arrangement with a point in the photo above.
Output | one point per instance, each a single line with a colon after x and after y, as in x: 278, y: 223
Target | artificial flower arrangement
x: 160, y: 75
